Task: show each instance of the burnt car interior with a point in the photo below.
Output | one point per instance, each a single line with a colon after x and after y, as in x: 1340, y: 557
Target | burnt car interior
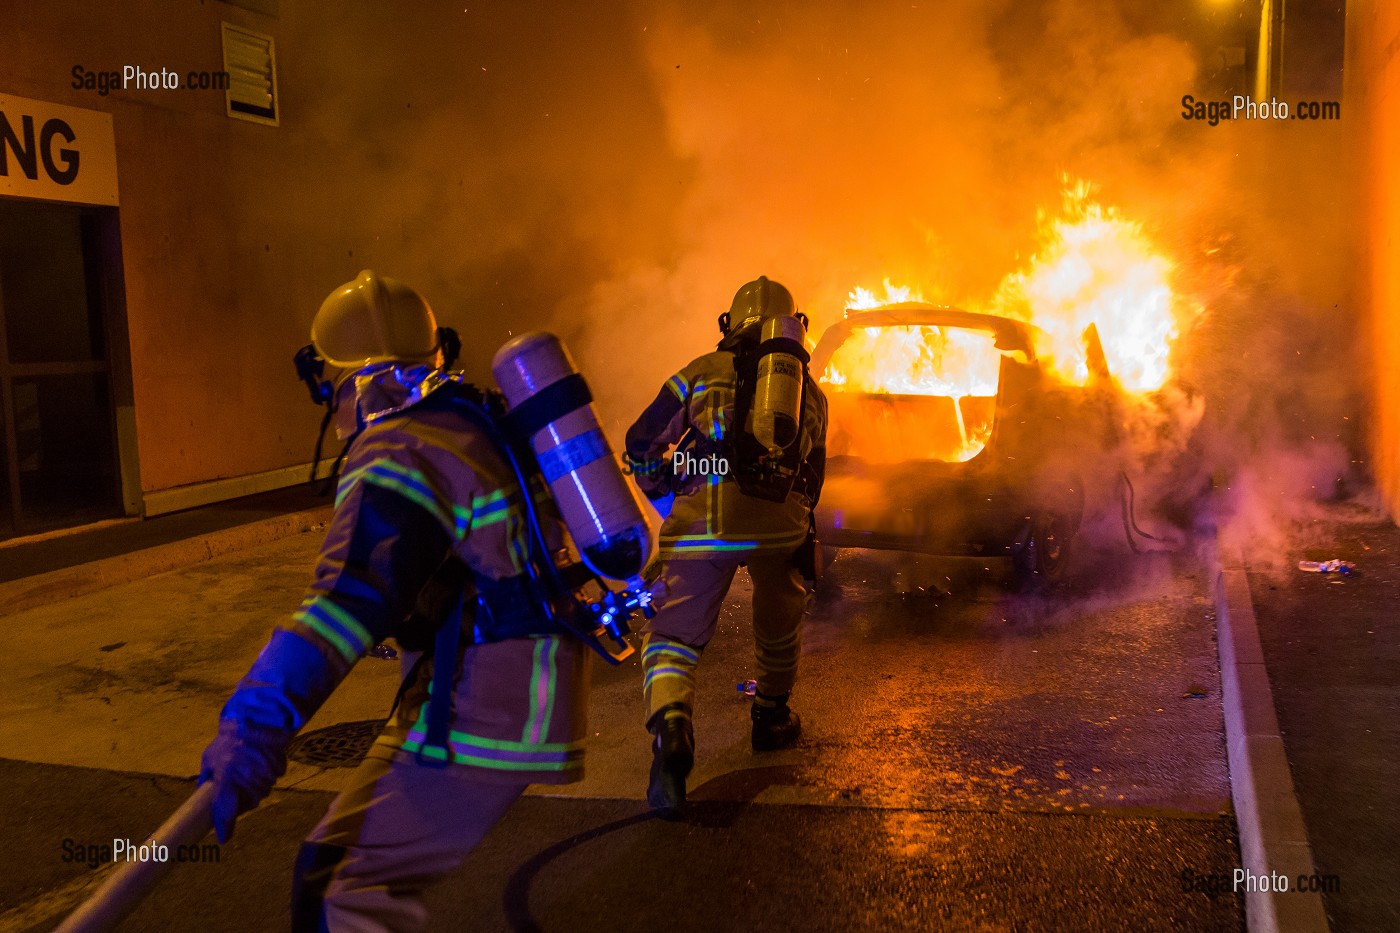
x: 946, y: 437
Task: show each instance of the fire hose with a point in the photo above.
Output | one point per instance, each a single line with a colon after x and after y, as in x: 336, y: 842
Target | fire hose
x: 1128, y: 500
x: 133, y: 880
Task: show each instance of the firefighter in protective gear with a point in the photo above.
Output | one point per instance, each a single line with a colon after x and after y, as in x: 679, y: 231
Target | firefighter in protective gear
x: 423, y: 487
x: 748, y: 511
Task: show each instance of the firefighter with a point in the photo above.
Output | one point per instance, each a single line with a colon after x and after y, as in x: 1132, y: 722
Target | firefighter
x: 424, y: 490
x: 736, y: 502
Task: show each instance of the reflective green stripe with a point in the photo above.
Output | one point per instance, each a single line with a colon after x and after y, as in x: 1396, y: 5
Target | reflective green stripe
x: 314, y: 614
x: 542, y: 685
x: 344, y: 618
x: 416, y: 496
x: 463, y: 521
x: 549, y: 700
x: 332, y: 636
x: 707, y: 544
x: 488, y: 510
x: 534, y: 691
x: 507, y: 745
x: 464, y: 758
x: 461, y: 759
x: 407, y: 482
x: 431, y: 751
x: 516, y: 765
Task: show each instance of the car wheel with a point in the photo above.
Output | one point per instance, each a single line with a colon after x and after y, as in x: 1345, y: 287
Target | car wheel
x: 1041, y: 560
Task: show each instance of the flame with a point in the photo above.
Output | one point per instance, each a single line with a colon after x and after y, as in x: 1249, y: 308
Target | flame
x: 1092, y: 267
x: 863, y: 299
x: 962, y: 365
x: 1095, y: 267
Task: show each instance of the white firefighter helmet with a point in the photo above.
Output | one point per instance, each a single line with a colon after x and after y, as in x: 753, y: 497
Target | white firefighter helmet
x: 754, y: 303
x: 372, y: 320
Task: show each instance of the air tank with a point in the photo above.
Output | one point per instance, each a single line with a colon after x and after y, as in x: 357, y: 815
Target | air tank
x: 546, y: 393
x: 777, y: 405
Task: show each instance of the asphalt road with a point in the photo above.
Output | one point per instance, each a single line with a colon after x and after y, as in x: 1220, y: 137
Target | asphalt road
x: 979, y: 761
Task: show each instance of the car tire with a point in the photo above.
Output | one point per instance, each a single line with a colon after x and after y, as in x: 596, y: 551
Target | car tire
x: 1041, y: 561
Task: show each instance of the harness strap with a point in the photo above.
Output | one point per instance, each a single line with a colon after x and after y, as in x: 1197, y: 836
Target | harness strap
x: 440, y: 695
x: 785, y: 345
x: 549, y: 404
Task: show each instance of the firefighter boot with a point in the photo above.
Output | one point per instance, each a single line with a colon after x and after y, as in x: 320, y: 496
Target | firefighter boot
x: 673, y: 755
x: 775, y: 725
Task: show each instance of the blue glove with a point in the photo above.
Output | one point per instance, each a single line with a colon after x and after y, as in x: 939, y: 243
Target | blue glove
x: 664, y: 504
x: 244, y: 763
x: 286, y: 685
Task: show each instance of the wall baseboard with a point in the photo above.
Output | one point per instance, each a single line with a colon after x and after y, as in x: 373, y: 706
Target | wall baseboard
x: 178, y: 498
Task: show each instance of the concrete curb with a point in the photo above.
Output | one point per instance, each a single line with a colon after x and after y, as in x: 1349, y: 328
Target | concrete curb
x: 71, y: 582
x: 1273, y: 837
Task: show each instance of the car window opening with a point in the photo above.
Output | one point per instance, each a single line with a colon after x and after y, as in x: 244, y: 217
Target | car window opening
x: 912, y: 392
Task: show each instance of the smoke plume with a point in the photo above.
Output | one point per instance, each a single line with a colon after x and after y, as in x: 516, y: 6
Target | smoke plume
x: 615, y: 174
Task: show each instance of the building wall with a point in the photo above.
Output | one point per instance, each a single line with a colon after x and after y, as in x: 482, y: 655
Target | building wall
x: 420, y: 140
x: 1373, y: 101
x: 212, y: 303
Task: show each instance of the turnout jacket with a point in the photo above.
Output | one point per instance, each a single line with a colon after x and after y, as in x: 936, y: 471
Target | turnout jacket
x: 711, y: 516
x: 422, y: 482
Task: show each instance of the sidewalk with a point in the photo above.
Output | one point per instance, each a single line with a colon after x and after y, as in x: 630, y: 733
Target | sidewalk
x: 1332, y: 648
x: 58, y: 550
x: 49, y: 568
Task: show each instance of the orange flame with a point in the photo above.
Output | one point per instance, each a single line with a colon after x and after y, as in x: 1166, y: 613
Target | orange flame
x: 1095, y: 267
x: 962, y: 365
x: 1092, y: 268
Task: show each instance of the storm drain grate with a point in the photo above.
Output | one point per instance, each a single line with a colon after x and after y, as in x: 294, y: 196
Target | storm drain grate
x: 343, y: 745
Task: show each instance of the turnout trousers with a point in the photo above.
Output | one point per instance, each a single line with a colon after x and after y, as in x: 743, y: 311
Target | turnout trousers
x: 691, y: 594
x: 399, y: 827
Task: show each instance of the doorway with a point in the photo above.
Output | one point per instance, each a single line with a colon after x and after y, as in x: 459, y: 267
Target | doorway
x: 62, y: 363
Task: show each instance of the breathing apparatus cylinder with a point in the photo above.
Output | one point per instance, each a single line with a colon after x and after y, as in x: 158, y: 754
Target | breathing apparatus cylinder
x: 551, y: 405
x: 777, y: 405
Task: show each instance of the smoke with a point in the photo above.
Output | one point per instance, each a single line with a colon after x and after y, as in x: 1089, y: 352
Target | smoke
x: 852, y: 144
x: 616, y: 173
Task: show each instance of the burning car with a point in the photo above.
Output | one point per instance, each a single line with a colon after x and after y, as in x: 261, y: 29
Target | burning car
x: 949, y: 436
x: 970, y: 433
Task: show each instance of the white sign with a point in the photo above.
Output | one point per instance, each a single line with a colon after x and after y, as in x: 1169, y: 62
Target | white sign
x: 56, y: 153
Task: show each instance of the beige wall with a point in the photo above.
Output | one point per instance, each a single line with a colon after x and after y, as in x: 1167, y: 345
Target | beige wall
x: 212, y: 300
x: 1373, y: 96
x: 412, y: 141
